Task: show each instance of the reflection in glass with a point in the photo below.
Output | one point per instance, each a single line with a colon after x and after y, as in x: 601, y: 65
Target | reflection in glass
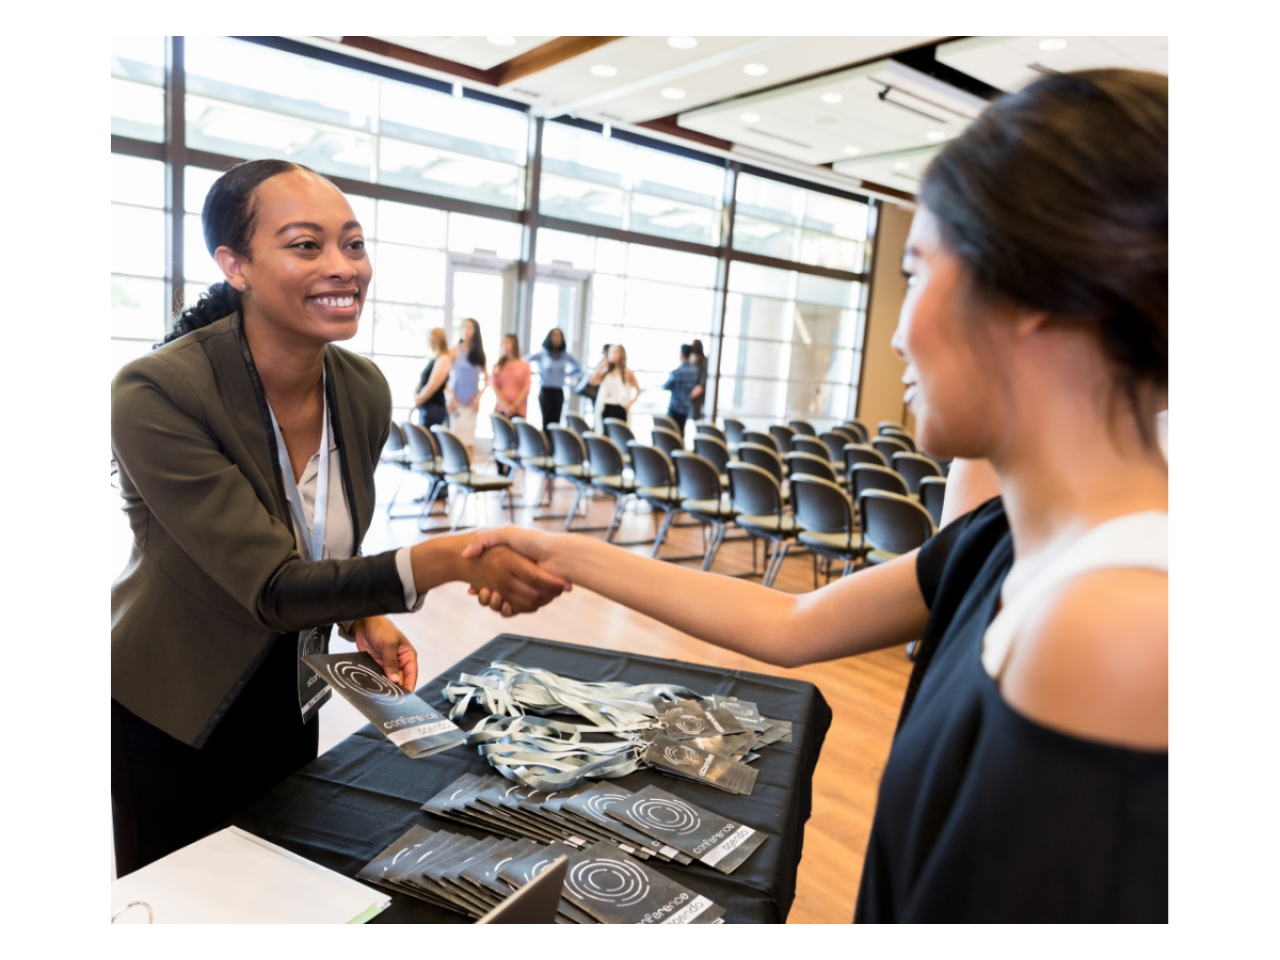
x: 137, y: 111
x: 456, y: 124
x: 433, y: 170
x: 580, y: 201
x: 137, y: 308
x: 468, y: 234
x: 831, y: 252
x: 833, y: 229
x: 670, y: 266
x: 138, y: 58
x: 137, y: 180
x: 765, y: 238
x: 670, y: 218
x: 137, y: 241
x: 403, y: 328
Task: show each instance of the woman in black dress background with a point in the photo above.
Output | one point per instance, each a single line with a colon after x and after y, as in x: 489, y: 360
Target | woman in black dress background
x: 1028, y: 779
x: 430, y: 404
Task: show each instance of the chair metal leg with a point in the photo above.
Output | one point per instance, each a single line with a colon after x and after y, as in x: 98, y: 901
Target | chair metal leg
x: 668, y: 516
x: 848, y: 565
x: 777, y: 564
x: 619, y: 504
x: 815, y: 571
x: 466, y: 495
x: 396, y: 494
x: 573, y: 511
x: 717, y: 535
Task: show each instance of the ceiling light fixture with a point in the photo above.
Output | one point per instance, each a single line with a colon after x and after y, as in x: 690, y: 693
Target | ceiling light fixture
x: 674, y: 93
x: 1053, y: 43
x: 937, y: 136
x: 853, y: 151
x: 751, y: 118
x: 682, y: 43
x: 755, y: 69
x: 604, y: 70
x: 832, y: 98
x: 502, y: 41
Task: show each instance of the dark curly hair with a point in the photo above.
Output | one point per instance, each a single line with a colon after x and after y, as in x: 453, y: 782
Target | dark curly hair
x: 228, y: 221
x: 1057, y: 198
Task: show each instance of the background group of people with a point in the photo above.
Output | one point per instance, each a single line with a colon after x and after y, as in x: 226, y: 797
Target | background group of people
x: 453, y: 381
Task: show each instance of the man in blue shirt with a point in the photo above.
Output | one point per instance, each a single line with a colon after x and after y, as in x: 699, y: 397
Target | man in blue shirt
x: 681, y: 383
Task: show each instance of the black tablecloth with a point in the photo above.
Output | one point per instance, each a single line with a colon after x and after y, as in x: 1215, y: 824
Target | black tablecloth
x: 355, y: 800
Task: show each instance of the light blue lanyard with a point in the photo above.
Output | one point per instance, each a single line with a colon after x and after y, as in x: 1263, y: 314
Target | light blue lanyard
x: 310, y: 536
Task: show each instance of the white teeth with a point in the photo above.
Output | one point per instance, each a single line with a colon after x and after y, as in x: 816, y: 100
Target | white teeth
x: 336, y: 301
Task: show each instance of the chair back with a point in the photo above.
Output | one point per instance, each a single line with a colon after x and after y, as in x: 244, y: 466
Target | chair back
x: 395, y: 439
x: 809, y: 465
x: 666, y: 423
x: 859, y: 429
x: 577, y: 424
x: 821, y: 506
x: 760, y: 439
x: 933, y: 491
x: 868, y: 476
x: 888, y: 446
x: 452, y: 450
x: 696, y: 477
x: 422, y: 447
x: 766, y: 458
x: 893, y: 523
x: 802, y: 428
x: 711, y: 430
x: 914, y: 468
x: 783, y: 434
x: 606, y: 458
x: 733, y: 431
x: 835, y: 439
x: 567, y: 447
x: 812, y: 446
x: 894, y: 433
x: 652, y: 467
x: 504, y: 433
x: 855, y: 453
x: 713, y: 449
x: 532, y: 443
x: 884, y: 425
x: 618, y: 432
x: 668, y: 441
x: 755, y: 492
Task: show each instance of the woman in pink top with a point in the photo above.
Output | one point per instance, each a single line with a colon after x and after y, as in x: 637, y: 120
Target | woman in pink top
x: 511, y: 379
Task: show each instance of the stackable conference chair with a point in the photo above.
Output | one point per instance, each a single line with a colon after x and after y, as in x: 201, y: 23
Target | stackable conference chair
x: 888, y: 446
x: 506, y: 445
x: 825, y: 515
x: 884, y: 425
x: 621, y: 435
x: 812, y: 446
x: 767, y: 459
x: 802, y: 428
x: 656, y: 485
x: 835, y: 439
x: 424, y: 460
x: 711, y: 430
x: 702, y: 497
x: 867, y: 476
x: 933, y: 490
x: 782, y: 434
x: 458, y: 473
x: 855, y: 453
x: 577, y: 424
x: 733, y: 433
x: 535, y: 456
x: 570, y: 456
x: 757, y: 498
x: 902, y: 437
x: 858, y: 428
x: 717, y: 451
x: 396, y: 452
x: 891, y: 525
x: 760, y: 439
x: 806, y: 464
x: 666, y: 423
x: 913, y: 468
x: 668, y: 441
x: 608, y: 476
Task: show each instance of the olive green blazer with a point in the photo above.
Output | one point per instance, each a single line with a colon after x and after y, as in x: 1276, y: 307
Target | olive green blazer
x: 214, y: 577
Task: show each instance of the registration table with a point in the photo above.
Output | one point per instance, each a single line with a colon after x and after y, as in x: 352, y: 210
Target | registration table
x: 352, y: 802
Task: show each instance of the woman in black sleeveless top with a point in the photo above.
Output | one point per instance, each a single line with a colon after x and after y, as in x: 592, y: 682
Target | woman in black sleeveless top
x: 1028, y: 780
x: 429, y: 401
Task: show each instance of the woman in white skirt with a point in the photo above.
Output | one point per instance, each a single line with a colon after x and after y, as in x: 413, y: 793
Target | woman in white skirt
x: 467, y: 383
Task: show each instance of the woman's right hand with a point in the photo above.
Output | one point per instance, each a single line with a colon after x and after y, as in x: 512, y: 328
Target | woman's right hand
x: 508, y: 570
x: 535, y: 546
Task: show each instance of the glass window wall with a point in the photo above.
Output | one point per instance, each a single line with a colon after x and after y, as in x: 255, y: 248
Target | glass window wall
x: 791, y: 223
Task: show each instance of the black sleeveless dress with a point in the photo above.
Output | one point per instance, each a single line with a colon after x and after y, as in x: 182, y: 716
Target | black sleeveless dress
x: 985, y: 815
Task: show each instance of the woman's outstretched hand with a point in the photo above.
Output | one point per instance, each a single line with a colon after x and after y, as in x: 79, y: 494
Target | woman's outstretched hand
x: 378, y: 637
x: 534, y: 548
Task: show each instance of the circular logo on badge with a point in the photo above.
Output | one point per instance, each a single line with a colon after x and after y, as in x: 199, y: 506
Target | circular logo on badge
x: 680, y: 755
x: 614, y: 882
x: 370, y: 683
x: 691, y: 725
x: 669, y: 816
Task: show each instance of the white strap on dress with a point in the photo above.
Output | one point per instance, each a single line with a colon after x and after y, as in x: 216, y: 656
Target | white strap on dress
x: 1137, y: 540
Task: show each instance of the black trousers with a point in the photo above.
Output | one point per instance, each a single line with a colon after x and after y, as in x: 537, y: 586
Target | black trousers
x: 679, y: 418
x: 165, y: 794
x: 551, y: 400
x: 430, y: 414
x: 615, y: 410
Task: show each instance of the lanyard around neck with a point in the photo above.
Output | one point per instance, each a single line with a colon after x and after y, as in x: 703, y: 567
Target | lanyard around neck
x: 310, y: 535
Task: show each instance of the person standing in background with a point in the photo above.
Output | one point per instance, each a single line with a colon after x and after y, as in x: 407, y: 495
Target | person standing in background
x: 555, y: 366
x: 429, y: 402
x: 466, y: 384
x: 681, y: 383
x: 699, y: 393
x: 511, y: 379
x: 616, y: 383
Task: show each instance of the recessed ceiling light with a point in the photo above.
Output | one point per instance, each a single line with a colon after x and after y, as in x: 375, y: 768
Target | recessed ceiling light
x: 502, y: 41
x: 604, y: 70
x: 755, y: 69
x: 937, y: 136
x: 831, y: 98
x: 682, y: 43
x: 902, y: 165
x: 751, y: 118
x: 1053, y: 43
x: 674, y: 93
x: 853, y: 151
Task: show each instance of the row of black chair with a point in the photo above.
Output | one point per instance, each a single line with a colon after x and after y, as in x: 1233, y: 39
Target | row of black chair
x: 439, y: 456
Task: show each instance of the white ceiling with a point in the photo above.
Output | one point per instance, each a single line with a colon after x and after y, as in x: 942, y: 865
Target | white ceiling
x: 479, y: 52
x: 1007, y: 62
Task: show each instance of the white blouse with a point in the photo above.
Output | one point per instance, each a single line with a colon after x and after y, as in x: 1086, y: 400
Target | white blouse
x: 613, y: 389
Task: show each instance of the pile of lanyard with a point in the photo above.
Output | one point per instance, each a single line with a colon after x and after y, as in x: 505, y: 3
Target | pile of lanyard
x: 549, y: 754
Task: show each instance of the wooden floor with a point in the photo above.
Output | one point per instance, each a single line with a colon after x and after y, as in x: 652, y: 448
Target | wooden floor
x: 865, y: 693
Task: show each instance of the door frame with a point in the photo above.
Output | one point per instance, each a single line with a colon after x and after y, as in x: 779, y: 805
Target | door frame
x: 564, y: 275
x: 483, y: 263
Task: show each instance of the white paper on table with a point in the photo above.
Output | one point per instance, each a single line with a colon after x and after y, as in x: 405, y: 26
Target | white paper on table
x: 234, y: 877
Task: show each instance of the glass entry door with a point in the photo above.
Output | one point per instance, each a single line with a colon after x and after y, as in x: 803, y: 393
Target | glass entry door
x: 559, y: 300
x: 484, y: 292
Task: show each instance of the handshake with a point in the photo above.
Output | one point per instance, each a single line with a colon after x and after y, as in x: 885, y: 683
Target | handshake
x: 513, y: 570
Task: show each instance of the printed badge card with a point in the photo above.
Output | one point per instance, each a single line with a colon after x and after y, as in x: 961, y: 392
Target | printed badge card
x: 402, y: 716
x: 708, y: 837
x: 614, y: 888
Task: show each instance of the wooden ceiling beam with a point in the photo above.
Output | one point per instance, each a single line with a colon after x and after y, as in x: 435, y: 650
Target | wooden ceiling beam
x: 394, y: 51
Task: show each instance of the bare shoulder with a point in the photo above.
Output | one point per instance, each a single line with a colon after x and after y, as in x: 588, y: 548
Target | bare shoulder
x: 1094, y: 662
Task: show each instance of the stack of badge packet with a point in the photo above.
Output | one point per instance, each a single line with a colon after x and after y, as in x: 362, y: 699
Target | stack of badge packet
x: 469, y: 875
x: 712, y: 741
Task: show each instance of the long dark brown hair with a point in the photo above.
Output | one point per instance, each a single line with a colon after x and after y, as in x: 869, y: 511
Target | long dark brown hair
x: 502, y: 360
